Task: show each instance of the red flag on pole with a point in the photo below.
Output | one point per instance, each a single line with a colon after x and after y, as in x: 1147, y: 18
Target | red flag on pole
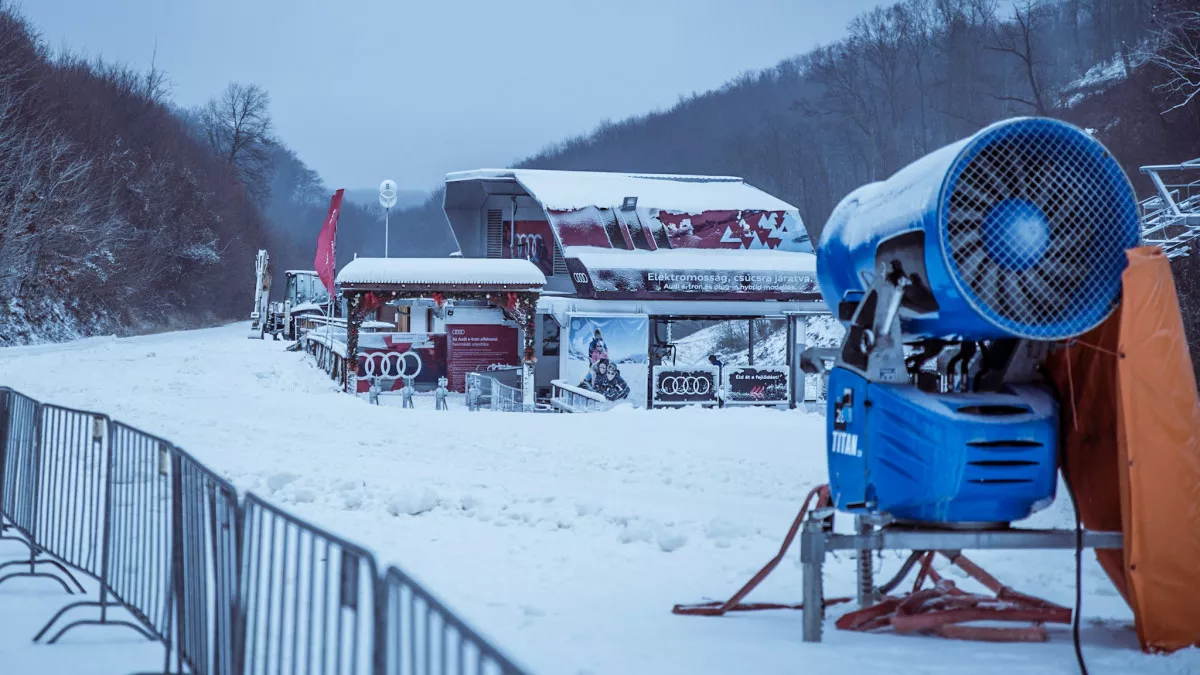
x: 326, y: 261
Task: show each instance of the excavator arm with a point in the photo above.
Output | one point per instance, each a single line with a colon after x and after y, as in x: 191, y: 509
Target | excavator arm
x: 262, y: 293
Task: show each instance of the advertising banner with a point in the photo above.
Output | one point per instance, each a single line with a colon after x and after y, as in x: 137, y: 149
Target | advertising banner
x: 533, y: 241
x: 394, y: 356
x: 608, y: 355
x: 756, y: 385
x: 474, y: 347
x: 685, y: 385
x: 710, y: 281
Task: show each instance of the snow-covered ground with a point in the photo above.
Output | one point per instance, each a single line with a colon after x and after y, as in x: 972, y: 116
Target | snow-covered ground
x: 27, y: 604
x: 565, y: 538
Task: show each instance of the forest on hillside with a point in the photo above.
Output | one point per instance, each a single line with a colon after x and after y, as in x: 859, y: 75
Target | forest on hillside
x: 122, y: 212
x: 111, y: 214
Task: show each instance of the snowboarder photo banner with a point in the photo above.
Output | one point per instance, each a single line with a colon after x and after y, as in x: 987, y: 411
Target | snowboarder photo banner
x: 608, y: 354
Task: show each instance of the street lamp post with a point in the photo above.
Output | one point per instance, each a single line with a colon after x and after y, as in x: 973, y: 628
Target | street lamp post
x: 387, y: 199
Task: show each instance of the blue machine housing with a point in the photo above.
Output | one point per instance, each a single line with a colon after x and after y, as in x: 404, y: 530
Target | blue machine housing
x: 1084, y: 181
x: 1013, y: 236
x: 940, y: 458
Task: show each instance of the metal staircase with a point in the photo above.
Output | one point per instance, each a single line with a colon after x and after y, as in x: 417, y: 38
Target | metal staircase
x: 1171, y: 218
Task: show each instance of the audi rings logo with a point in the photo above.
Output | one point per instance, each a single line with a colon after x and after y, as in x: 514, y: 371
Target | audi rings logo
x: 404, y: 365
x: 685, y: 385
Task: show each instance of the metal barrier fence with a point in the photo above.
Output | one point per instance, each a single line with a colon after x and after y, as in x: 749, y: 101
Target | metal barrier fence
x: 486, y: 392
x: 126, y: 513
x: 18, y: 442
x: 228, y: 588
x: 205, y: 574
x: 424, y: 637
x: 310, y: 597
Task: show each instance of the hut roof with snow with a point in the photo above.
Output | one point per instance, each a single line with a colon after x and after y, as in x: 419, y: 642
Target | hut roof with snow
x: 440, y: 274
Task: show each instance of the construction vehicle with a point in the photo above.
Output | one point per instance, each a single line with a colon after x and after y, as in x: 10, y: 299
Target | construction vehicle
x: 261, y: 314
x: 305, y: 295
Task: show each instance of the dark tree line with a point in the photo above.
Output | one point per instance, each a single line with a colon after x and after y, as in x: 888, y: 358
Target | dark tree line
x: 120, y: 212
x: 111, y: 214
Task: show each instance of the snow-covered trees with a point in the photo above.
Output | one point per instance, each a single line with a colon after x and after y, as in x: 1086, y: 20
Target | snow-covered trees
x: 1177, y: 53
x: 109, y: 210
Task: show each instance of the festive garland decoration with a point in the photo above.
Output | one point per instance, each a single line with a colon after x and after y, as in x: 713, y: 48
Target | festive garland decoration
x: 519, y: 306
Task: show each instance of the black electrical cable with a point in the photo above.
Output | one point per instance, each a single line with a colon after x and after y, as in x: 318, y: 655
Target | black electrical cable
x: 1062, y: 463
x: 1078, y: 567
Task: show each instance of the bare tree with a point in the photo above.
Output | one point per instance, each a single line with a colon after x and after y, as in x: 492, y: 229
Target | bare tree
x: 237, y: 126
x: 155, y: 86
x: 1019, y: 39
x: 1178, y: 53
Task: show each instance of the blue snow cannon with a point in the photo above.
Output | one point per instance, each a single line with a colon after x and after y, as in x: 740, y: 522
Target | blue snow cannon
x: 954, y: 278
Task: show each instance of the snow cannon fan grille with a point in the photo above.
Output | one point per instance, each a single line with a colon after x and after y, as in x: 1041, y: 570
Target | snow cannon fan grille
x: 1037, y: 218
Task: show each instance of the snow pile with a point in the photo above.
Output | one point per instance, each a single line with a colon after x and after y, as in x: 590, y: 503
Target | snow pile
x: 90, y: 650
x: 1100, y: 77
x: 47, y: 321
x: 565, y: 538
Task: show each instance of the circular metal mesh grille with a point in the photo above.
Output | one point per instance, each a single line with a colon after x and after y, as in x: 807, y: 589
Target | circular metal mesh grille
x: 1036, y: 220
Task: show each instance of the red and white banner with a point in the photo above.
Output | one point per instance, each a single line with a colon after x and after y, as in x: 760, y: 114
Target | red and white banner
x: 474, y: 347
x: 326, y: 260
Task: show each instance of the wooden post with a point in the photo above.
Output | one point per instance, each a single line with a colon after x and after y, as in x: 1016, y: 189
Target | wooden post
x: 354, y: 322
x: 529, y: 321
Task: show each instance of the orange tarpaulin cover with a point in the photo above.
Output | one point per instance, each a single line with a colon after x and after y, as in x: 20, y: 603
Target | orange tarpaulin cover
x: 1131, y: 435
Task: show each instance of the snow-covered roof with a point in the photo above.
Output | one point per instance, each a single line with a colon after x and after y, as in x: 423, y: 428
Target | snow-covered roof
x: 733, y: 260
x: 568, y: 190
x: 433, y: 272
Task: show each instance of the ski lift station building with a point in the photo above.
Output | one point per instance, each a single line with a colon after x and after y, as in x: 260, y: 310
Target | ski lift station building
x: 625, y: 255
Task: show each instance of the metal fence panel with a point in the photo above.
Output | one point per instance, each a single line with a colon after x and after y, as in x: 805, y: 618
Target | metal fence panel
x: 18, y: 463
x: 206, y: 566
x: 422, y: 636
x: 139, y: 537
x: 310, y: 597
x: 486, y: 392
x: 72, y: 473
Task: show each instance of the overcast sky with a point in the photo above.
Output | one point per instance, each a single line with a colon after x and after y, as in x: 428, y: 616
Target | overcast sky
x: 365, y: 90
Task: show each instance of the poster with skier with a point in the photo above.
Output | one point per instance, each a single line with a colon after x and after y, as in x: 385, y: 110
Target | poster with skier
x: 608, y: 355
